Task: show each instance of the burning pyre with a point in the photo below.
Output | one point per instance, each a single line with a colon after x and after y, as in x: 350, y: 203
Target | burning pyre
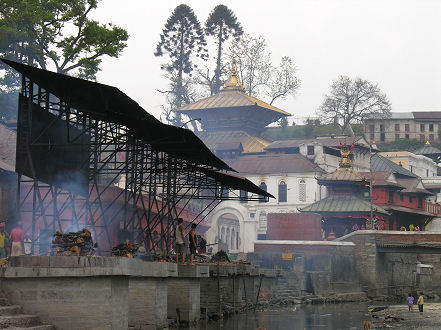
x: 73, y: 244
x: 127, y: 250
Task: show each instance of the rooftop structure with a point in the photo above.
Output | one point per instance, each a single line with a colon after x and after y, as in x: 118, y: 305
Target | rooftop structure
x: 232, y: 110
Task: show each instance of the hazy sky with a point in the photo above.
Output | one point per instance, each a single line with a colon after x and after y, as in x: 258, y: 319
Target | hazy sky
x: 394, y: 43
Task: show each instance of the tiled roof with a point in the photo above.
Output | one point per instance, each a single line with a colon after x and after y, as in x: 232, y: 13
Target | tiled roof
x: 342, y: 204
x: 413, y: 185
x: 382, y: 164
x: 230, y: 99
x: 427, y: 149
x: 405, y: 210
x: 342, y: 174
x: 280, y: 163
x: 327, y: 142
x: 427, y: 115
x: 382, y: 179
x: 250, y: 144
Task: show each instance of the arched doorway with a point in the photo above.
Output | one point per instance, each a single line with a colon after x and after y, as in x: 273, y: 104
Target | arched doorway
x: 229, y: 226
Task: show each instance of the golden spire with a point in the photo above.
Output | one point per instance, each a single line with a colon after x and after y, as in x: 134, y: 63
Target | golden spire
x: 345, y: 160
x: 233, y: 83
x: 427, y: 142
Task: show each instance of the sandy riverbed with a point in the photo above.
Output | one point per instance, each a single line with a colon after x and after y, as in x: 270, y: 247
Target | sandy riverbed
x: 397, y: 316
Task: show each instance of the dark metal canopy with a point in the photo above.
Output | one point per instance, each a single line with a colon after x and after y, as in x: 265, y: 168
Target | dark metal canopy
x: 103, y: 102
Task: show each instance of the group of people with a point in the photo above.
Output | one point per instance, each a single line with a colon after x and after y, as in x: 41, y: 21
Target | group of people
x: 11, y: 244
x: 411, y: 228
x: 195, y: 242
x: 420, y: 302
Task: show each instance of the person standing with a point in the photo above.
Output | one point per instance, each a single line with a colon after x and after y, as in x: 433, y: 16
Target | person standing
x: 17, y: 239
x: 180, y: 242
x: 420, y: 302
x: 410, y: 301
x: 193, y: 243
x: 4, y: 241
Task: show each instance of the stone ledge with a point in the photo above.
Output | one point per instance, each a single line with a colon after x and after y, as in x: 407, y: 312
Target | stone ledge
x: 66, y: 266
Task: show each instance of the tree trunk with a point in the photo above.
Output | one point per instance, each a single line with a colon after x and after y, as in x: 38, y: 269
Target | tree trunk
x: 217, y: 83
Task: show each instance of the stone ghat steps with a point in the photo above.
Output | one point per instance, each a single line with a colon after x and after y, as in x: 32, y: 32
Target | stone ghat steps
x: 11, y: 318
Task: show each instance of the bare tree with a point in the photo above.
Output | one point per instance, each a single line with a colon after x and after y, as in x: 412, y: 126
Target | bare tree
x: 259, y: 76
x: 352, y: 101
x: 253, y: 61
x: 282, y: 81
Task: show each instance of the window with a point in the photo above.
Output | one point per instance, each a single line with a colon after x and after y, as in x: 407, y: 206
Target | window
x: 422, y: 137
x: 430, y: 127
x: 422, y: 127
x: 407, y: 136
x: 310, y: 150
x: 420, y: 202
x: 372, y: 136
x: 439, y: 127
x: 381, y: 128
x: 431, y: 136
x: 282, y: 192
x: 302, y: 191
x: 406, y: 127
x: 411, y: 168
x: 401, y: 197
x: 397, y: 136
x: 391, y: 196
x: 397, y: 127
x: 262, y: 221
x: 410, y: 199
x: 371, y: 128
x: 427, y: 172
x: 382, y: 137
x: 262, y: 199
x: 243, y: 196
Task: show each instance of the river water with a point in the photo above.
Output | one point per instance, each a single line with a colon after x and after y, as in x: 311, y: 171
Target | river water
x: 304, y: 317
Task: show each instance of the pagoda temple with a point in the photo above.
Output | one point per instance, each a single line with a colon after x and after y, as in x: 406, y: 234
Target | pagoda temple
x: 347, y: 203
x: 233, y: 121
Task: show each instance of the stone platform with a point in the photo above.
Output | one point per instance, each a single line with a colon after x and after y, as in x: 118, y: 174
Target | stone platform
x: 99, y: 292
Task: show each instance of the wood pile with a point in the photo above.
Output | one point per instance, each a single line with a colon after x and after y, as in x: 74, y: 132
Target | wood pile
x: 126, y: 250
x: 73, y: 244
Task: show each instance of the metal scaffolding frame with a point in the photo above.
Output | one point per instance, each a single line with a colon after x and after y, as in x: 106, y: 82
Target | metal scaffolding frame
x: 125, y: 184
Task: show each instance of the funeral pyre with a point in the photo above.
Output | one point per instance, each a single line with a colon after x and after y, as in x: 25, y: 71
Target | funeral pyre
x: 73, y: 244
x: 127, y: 250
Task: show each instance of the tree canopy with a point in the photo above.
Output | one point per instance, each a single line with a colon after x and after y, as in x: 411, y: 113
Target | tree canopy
x: 182, y: 40
x: 351, y: 101
x: 56, y: 33
x: 221, y: 24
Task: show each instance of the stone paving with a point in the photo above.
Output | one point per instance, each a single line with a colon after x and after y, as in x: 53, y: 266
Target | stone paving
x: 398, y: 316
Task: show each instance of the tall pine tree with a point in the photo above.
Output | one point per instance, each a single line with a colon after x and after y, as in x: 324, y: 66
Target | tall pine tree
x: 221, y: 24
x: 182, y: 39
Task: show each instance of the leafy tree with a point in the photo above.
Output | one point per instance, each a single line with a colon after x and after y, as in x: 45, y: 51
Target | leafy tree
x: 283, y: 122
x: 351, y: 101
x: 221, y: 24
x: 58, y: 33
x: 182, y: 39
x: 259, y: 76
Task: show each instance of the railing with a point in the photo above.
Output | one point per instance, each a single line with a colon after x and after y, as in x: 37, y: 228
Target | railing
x: 433, y: 208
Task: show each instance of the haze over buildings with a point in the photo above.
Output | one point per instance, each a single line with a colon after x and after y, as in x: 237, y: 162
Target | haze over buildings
x: 393, y: 43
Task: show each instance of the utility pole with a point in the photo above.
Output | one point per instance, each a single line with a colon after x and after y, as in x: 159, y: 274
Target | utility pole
x: 370, y: 184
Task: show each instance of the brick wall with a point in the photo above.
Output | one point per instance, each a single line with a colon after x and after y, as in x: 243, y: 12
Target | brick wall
x: 294, y: 226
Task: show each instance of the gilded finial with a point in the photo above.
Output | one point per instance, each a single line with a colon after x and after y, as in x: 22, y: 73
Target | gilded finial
x: 427, y: 142
x: 233, y: 82
x: 345, y: 160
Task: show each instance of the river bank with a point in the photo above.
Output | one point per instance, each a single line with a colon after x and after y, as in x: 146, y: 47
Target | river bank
x: 398, y: 316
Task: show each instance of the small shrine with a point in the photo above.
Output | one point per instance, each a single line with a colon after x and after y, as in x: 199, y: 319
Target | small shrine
x: 347, y: 205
